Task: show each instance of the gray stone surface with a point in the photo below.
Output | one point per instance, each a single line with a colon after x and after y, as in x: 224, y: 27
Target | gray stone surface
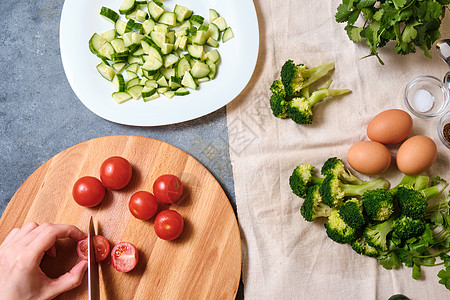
x: 40, y: 115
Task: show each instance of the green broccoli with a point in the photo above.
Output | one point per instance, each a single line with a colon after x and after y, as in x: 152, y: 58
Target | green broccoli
x: 352, y: 213
x: 277, y: 87
x: 279, y: 106
x: 413, y: 203
x: 333, y: 190
x: 312, y: 206
x: 338, y: 230
x: 302, y: 178
x: 406, y: 227
x: 336, y: 166
x: 296, y: 77
x: 362, y: 247
x: 378, y: 204
x: 300, y: 109
x: 376, y: 234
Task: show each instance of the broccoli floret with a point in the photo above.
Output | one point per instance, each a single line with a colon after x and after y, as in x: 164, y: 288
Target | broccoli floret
x: 333, y: 190
x: 277, y: 87
x: 378, y: 204
x: 338, y: 230
x: 300, y: 109
x: 376, y: 234
x: 352, y: 213
x: 335, y: 166
x: 296, y: 77
x: 312, y: 206
x: 406, y: 227
x: 279, y: 106
x: 362, y: 247
x: 302, y: 178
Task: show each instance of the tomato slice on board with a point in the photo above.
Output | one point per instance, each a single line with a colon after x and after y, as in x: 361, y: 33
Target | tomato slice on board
x: 115, y: 172
x: 168, y: 188
x: 124, y: 257
x: 101, y: 246
x: 168, y: 224
x: 88, y: 191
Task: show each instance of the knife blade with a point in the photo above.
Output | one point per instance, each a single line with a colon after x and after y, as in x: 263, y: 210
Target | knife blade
x: 93, y: 280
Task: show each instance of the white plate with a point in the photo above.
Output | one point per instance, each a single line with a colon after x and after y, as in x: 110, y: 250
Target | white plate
x: 81, y: 18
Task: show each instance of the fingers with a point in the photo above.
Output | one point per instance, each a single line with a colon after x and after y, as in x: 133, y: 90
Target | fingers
x: 18, y: 234
x: 68, y: 281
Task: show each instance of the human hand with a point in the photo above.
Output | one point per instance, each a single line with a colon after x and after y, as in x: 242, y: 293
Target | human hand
x: 21, y: 254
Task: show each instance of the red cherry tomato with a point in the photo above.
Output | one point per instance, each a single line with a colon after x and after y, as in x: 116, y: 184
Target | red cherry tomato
x: 101, y: 246
x: 124, y: 257
x: 88, y: 191
x: 115, y: 172
x: 168, y: 225
x: 168, y: 188
x: 143, y: 205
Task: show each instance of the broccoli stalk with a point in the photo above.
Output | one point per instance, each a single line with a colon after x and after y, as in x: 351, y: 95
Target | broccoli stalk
x: 334, y: 165
x: 376, y: 234
x: 312, y: 206
x: 296, y: 77
x: 300, y: 109
x: 302, y: 178
x: 333, y: 190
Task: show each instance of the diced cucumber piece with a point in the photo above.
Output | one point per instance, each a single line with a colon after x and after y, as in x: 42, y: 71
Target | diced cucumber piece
x: 213, y: 55
x: 155, y: 52
x: 167, y: 72
x: 108, y: 35
x: 152, y: 97
x: 197, y: 19
x: 199, y: 38
x: 96, y: 42
x: 119, y: 66
x: 212, y: 42
x: 155, y: 10
x: 136, y: 50
x: 106, y: 51
x: 181, y: 92
x: 129, y: 25
x: 158, y: 37
x: 213, y: 14
x: 135, y: 59
x: 221, y: 23
x: 162, y: 81
x: 127, y: 7
x: 141, y: 2
x: 121, y: 97
x: 147, y: 26
x: 118, y: 45
x: 213, y: 68
x: 106, y: 71
x: 170, y: 60
x: 169, y: 94
x: 135, y: 91
x: 195, y: 51
x: 182, y: 12
x: 162, y: 90
x: 168, y: 18
x: 227, y: 34
x: 152, y: 83
x: 119, y: 83
x: 181, y: 42
x: 109, y: 14
x: 200, y: 69
x: 131, y: 75
x: 161, y: 28
x: 148, y: 91
x: 141, y: 15
x: 152, y: 64
x: 183, y: 65
x: 136, y: 38
x: 133, y: 67
x: 203, y: 79
x: 166, y: 48
x: 120, y: 27
x: 181, y: 32
x: 119, y: 57
x: 188, y: 81
x: 133, y: 82
x: 186, y: 24
x: 213, y: 31
x: 170, y: 37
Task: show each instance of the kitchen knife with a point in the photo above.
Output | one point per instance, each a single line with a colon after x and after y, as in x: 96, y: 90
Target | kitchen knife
x: 93, y: 281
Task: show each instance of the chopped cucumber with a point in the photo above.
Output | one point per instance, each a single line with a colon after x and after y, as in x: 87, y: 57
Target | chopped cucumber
x: 152, y: 51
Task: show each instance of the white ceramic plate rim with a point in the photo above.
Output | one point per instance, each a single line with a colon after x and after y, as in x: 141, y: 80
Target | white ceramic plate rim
x: 80, y: 19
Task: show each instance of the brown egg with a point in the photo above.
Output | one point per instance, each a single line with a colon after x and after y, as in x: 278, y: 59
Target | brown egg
x: 416, y: 155
x: 391, y: 126
x: 369, y: 157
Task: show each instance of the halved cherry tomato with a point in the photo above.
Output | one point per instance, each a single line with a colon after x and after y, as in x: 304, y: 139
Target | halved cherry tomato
x: 115, y: 172
x: 88, y: 191
x: 124, y: 257
x: 168, y: 188
x: 169, y: 224
x: 101, y: 246
x: 143, y: 205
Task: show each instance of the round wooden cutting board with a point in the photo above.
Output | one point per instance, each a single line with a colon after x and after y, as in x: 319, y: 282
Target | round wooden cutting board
x: 203, y: 263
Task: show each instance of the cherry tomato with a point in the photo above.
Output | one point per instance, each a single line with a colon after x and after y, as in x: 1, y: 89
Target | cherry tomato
x: 143, y: 205
x: 115, y: 172
x: 124, y: 257
x: 101, y: 246
x: 168, y: 188
x: 88, y: 191
x: 168, y: 224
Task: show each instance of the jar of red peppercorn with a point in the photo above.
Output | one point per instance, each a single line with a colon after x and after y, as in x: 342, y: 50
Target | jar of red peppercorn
x: 444, y: 129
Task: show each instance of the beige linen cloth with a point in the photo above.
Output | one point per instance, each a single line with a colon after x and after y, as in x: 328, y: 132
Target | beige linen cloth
x: 285, y: 257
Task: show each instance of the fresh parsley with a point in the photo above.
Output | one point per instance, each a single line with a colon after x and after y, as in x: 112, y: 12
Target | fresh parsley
x: 411, y: 23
